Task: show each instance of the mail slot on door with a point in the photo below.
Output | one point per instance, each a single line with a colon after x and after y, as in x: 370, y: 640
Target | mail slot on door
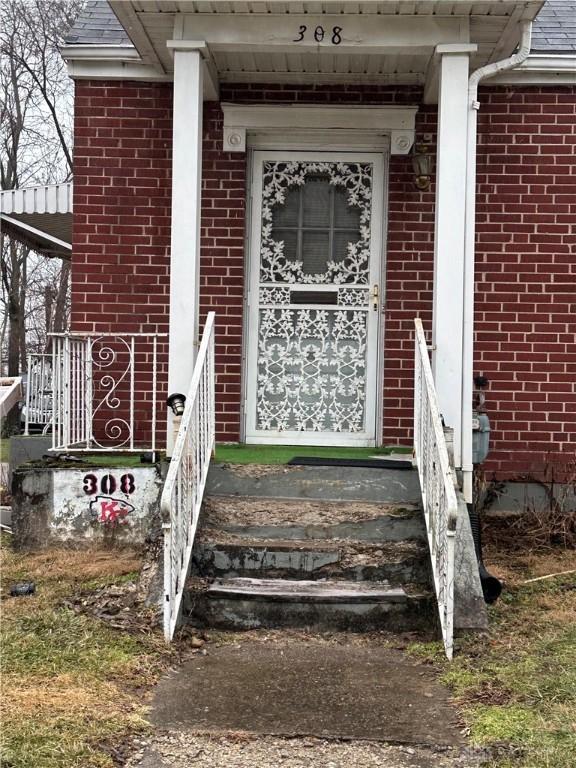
x: 313, y: 297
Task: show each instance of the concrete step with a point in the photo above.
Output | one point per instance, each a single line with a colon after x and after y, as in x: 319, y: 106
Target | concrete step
x: 242, y: 603
x: 398, y: 563
x: 303, y: 520
x: 380, y: 485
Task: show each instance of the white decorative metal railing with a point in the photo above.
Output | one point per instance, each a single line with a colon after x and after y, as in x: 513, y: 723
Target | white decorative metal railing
x: 437, y: 486
x: 182, y: 495
x: 105, y: 392
x: 38, y: 409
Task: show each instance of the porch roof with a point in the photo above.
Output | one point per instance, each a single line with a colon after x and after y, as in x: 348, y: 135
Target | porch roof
x: 383, y: 41
x: 40, y: 217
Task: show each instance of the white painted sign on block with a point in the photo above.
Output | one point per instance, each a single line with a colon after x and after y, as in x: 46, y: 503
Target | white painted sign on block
x: 92, y: 502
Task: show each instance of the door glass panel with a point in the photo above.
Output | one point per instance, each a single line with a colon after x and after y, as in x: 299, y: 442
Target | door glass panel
x: 341, y: 243
x: 316, y: 200
x: 315, y: 222
x: 289, y: 239
x: 345, y: 215
x: 286, y: 214
x: 315, y: 253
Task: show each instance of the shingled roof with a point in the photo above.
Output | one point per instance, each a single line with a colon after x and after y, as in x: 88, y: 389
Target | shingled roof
x: 553, y: 31
x: 97, y: 25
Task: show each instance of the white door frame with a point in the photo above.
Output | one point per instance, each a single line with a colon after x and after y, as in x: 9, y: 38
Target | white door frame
x: 374, y: 367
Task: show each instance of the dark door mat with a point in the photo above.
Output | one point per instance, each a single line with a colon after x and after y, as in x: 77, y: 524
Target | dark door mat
x: 318, y: 461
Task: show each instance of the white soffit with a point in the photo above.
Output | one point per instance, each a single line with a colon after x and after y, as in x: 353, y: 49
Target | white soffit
x: 239, y: 120
x: 381, y: 41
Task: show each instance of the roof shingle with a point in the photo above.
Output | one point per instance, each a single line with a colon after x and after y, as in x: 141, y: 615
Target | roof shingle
x: 97, y: 25
x: 554, y: 29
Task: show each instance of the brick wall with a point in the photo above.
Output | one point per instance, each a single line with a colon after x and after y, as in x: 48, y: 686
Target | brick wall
x: 525, y: 260
x: 526, y: 274
x: 222, y: 266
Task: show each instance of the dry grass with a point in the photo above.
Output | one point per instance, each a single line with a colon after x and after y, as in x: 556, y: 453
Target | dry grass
x: 60, y: 563
x: 517, y: 687
x: 73, y: 689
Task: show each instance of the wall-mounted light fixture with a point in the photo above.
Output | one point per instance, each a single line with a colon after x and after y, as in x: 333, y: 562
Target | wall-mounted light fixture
x: 422, y: 165
x: 177, y: 403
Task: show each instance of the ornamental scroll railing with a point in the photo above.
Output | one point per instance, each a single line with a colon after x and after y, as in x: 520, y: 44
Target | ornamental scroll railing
x: 437, y: 486
x: 105, y: 391
x: 186, y: 479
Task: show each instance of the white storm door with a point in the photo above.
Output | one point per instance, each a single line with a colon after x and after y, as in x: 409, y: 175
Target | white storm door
x: 314, y: 309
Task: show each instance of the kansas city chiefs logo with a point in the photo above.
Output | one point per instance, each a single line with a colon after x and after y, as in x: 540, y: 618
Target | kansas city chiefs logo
x: 106, y: 509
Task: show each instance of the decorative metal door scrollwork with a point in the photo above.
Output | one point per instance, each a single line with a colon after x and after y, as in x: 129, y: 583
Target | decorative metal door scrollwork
x: 315, y: 268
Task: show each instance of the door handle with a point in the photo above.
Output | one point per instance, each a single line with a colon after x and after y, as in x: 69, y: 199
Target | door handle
x: 374, y: 295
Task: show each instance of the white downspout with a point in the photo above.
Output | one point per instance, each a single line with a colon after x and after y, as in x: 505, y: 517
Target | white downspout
x: 469, y: 247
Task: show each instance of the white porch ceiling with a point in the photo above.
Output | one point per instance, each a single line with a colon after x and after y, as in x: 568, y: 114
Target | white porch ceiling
x: 269, y: 52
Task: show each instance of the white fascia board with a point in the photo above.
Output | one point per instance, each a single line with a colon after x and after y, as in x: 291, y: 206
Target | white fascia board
x: 360, y: 34
x: 99, y: 53
x: 101, y: 69
x: 541, y: 69
x: 110, y: 62
x: 260, y: 117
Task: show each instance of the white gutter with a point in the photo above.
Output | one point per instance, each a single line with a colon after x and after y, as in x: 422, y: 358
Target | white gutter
x: 469, y: 247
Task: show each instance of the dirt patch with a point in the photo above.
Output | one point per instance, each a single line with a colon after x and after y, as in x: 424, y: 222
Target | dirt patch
x: 218, y: 511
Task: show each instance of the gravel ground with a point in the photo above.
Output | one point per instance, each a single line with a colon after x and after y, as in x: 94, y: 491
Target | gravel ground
x: 180, y: 749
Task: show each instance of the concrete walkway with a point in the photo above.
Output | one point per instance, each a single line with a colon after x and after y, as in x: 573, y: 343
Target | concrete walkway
x: 296, y: 701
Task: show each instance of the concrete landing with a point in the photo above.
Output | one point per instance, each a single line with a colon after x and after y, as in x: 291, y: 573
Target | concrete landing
x: 296, y: 687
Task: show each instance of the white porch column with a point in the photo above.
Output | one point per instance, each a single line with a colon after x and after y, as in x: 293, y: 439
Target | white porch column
x: 449, y: 233
x: 185, y: 237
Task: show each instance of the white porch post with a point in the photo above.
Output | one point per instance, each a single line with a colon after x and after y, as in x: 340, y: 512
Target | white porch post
x: 185, y: 237
x: 449, y: 234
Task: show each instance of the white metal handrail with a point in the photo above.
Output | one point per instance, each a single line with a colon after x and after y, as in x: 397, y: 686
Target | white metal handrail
x: 105, y: 391
x: 437, y: 486
x: 38, y: 408
x: 182, y: 495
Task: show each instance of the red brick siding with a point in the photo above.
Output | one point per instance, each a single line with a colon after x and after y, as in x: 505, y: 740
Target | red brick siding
x: 222, y: 265
x: 526, y: 274
x: 121, y: 234
x: 526, y: 208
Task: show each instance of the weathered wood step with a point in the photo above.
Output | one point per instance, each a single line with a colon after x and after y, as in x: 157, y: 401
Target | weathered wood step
x: 243, y: 603
x: 288, y: 590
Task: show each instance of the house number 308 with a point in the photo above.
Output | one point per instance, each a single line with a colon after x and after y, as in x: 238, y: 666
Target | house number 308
x: 319, y: 34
